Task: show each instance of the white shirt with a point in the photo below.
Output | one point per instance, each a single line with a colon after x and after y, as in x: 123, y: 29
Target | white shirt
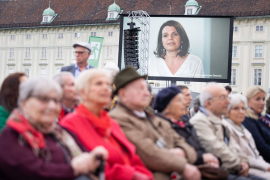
x: 192, y: 67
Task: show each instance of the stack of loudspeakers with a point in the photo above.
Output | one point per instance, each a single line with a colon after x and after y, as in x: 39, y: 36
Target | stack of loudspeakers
x: 131, y: 47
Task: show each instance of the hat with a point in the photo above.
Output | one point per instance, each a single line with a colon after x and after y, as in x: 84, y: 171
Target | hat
x: 126, y: 76
x: 83, y: 44
x: 164, y: 97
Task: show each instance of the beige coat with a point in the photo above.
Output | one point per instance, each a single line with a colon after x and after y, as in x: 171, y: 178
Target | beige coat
x: 245, y: 144
x: 144, y: 135
x: 210, y: 131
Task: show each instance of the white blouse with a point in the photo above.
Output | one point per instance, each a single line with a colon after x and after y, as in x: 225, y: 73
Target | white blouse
x: 192, y: 67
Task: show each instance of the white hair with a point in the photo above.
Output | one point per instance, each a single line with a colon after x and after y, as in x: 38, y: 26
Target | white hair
x: 112, y: 68
x: 37, y: 87
x: 86, y: 76
x: 206, y: 95
x: 237, y: 99
x: 59, y: 78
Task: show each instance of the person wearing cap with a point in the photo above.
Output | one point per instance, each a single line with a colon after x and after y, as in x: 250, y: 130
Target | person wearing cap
x: 162, y: 150
x: 82, y: 51
x: 170, y: 104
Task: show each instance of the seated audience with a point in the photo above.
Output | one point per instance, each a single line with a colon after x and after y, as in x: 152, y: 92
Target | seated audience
x: 94, y: 127
x: 255, y: 123
x: 214, y: 136
x: 34, y: 147
x: 245, y: 143
x: 171, y: 105
x: 162, y: 150
x: 70, y: 97
x: 9, y: 93
x: 196, y: 106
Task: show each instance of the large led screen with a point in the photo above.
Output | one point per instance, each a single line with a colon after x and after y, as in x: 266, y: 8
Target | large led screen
x: 185, y: 48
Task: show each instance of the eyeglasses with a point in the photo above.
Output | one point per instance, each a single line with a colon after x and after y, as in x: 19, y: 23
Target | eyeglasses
x: 79, y: 52
x: 46, y: 100
x: 238, y: 109
x: 221, y: 98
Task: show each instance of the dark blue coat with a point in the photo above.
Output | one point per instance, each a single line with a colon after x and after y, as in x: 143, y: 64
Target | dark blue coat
x: 261, y: 135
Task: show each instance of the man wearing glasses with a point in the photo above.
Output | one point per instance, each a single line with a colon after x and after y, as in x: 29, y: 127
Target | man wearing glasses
x: 82, y: 51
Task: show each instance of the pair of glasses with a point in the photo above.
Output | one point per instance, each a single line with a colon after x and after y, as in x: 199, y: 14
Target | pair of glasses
x: 79, y: 52
x: 46, y: 100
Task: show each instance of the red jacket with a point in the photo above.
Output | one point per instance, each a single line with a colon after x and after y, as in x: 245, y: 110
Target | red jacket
x: 115, y: 168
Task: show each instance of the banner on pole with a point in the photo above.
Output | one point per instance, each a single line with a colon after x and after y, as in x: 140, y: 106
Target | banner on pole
x: 96, y: 44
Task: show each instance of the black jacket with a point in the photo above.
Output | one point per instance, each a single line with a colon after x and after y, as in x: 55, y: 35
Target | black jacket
x: 189, y: 133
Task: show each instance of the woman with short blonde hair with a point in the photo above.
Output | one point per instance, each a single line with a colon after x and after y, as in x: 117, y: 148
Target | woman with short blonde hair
x: 255, y: 122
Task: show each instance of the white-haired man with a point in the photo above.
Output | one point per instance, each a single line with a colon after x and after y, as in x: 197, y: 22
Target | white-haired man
x: 82, y: 51
x: 70, y: 97
x: 214, y: 136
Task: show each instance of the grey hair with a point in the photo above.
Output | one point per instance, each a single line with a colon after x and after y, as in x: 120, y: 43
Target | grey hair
x: 59, y: 78
x: 37, y: 87
x: 236, y: 99
x: 204, y: 96
x: 112, y: 68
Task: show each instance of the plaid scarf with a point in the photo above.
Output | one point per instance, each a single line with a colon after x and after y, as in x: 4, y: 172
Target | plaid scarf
x: 35, y: 138
x: 265, y: 121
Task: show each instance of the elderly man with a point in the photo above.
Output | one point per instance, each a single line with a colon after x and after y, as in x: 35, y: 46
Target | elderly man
x: 214, y: 136
x: 70, y: 96
x: 162, y: 150
x: 82, y: 53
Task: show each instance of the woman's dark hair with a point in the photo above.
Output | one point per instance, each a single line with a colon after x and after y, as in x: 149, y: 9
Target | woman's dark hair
x: 183, y: 36
x: 9, y: 91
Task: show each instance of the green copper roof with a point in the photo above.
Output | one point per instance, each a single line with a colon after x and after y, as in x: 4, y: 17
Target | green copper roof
x: 48, y: 11
x: 192, y: 3
x: 114, y: 7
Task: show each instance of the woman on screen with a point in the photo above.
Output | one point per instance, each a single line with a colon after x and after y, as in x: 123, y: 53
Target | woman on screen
x: 172, y: 57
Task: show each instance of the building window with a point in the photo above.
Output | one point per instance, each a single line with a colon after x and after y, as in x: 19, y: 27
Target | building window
x: 11, y: 53
x: 59, y: 53
x: 44, y: 36
x: 157, y: 84
x: 109, y: 52
x: 10, y: 70
x: 235, y: 29
x: 234, y: 52
x: 27, y: 71
x: 258, y: 51
x: 77, y: 35
x: 60, y: 35
x: 45, y: 19
x: 189, y: 11
x: 43, y: 53
x: 257, y: 77
x: 110, y: 33
x: 93, y: 33
x: 111, y: 15
x: 187, y: 82
x: 233, y: 77
x: 259, y: 28
x: 27, y: 53
x: 12, y: 37
x: 43, y: 72
x: 28, y: 36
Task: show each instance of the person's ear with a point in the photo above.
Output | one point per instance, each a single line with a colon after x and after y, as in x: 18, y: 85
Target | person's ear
x: 207, y: 103
x: 121, y: 94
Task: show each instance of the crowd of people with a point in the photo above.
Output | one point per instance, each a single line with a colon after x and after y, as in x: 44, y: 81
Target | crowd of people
x: 105, y: 124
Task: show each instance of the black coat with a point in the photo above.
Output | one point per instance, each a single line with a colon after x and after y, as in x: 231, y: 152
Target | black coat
x: 189, y: 133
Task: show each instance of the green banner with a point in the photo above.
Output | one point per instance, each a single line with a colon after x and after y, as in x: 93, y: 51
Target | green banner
x: 96, y: 44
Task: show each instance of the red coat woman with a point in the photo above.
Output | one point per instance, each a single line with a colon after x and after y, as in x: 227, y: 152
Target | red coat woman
x: 94, y: 127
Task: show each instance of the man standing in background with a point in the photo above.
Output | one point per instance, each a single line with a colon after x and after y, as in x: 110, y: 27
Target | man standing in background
x: 82, y: 51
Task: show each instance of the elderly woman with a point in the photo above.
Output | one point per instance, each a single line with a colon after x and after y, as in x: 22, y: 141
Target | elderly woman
x: 170, y: 104
x: 172, y: 56
x: 33, y: 146
x: 245, y: 143
x: 94, y: 127
x: 255, y: 123
x: 9, y: 93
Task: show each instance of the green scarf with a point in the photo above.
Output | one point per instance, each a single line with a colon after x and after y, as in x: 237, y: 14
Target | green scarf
x: 4, y: 114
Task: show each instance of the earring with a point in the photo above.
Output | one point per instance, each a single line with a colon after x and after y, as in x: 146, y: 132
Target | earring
x: 163, y: 51
x: 181, y: 48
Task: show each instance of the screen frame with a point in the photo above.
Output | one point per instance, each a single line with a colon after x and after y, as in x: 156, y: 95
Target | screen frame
x: 227, y: 80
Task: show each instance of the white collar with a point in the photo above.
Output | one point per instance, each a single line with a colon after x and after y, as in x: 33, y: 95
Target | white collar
x: 140, y: 114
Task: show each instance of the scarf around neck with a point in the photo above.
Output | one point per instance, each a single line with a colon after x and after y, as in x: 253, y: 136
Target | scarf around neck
x: 35, y: 138
x: 103, y: 123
